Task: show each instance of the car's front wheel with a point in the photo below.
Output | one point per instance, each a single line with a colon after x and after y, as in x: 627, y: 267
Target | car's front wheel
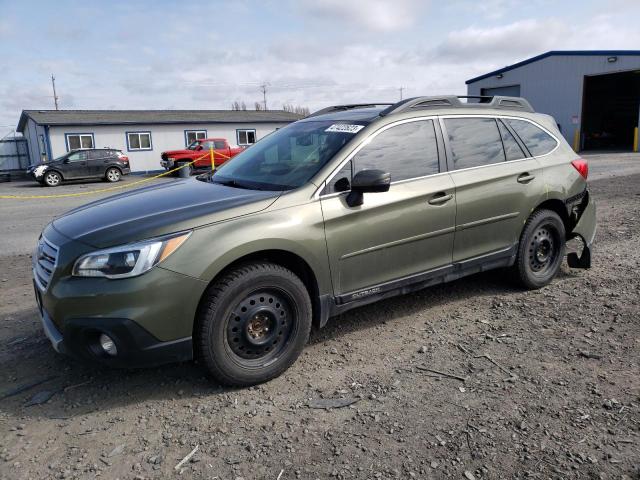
x: 52, y: 179
x: 113, y: 174
x: 253, y: 324
x: 541, y: 249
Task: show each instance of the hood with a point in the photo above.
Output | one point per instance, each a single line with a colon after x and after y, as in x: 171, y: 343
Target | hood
x: 158, y: 210
x: 168, y: 153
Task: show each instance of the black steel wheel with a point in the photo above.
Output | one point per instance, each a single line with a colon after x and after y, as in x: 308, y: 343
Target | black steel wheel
x: 261, y: 325
x: 541, y: 249
x: 253, y: 324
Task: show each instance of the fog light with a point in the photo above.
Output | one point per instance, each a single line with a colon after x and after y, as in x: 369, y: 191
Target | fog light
x: 108, y: 345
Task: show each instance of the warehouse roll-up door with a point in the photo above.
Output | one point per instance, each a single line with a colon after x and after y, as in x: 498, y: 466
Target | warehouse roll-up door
x: 610, y: 111
x: 509, y: 91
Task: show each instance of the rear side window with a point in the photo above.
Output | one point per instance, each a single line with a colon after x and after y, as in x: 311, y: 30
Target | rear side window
x: 511, y: 148
x: 405, y: 151
x: 537, y: 140
x: 474, y: 142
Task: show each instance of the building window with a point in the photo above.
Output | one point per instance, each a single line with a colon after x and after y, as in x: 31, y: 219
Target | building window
x: 139, y: 141
x: 191, y: 136
x: 246, y: 137
x: 77, y: 141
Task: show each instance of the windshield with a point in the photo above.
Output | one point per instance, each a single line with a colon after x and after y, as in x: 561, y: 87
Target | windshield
x: 287, y: 158
x: 193, y: 145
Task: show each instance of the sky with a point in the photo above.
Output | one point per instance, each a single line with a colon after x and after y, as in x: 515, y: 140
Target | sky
x: 197, y: 54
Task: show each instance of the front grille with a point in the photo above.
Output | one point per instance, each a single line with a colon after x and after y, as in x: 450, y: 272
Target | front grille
x: 45, y: 259
x: 163, y: 156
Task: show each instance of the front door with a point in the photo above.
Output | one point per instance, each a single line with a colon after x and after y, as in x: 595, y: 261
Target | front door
x: 396, y: 234
x: 497, y: 184
x: 75, y: 165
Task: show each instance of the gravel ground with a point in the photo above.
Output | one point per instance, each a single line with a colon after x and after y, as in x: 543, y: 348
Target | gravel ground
x: 542, y: 384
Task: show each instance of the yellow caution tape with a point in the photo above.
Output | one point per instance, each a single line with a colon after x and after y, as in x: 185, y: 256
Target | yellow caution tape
x: 115, y: 187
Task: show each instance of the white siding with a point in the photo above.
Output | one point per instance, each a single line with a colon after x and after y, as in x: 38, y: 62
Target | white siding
x: 163, y: 137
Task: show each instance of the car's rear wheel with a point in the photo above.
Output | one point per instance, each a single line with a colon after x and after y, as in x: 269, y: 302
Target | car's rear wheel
x: 253, y: 324
x: 541, y: 249
x: 113, y: 174
x: 52, y: 179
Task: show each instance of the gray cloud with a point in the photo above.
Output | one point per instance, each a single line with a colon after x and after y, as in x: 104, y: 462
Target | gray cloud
x: 375, y: 15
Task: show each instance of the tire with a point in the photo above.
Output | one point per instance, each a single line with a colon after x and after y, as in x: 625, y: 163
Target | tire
x: 52, y: 179
x: 541, y: 249
x: 252, y: 324
x: 113, y: 174
x: 186, y: 171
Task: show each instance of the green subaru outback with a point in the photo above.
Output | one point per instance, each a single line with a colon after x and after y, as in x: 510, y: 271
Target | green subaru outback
x: 351, y: 205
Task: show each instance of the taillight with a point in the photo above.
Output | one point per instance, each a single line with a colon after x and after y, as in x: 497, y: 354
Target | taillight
x: 582, y: 167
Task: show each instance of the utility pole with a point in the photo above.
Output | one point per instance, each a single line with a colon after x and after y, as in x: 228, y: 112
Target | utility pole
x: 401, y: 89
x: 263, y: 87
x: 55, y: 97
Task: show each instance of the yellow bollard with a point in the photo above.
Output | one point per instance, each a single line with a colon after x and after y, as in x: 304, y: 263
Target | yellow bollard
x: 635, y: 139
x: 213, y: 165
x: 576, y: 140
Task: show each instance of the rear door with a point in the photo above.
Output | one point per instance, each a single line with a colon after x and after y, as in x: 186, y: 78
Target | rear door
x: 497, y: 185
x: 97, y: 161
x: 396, y: 234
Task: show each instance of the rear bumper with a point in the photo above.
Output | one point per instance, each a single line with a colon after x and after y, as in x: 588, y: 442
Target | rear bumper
x: 585, y: 229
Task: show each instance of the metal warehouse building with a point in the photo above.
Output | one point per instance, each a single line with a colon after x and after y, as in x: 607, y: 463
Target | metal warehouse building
x: 593, y: 95
x: 142, y: 134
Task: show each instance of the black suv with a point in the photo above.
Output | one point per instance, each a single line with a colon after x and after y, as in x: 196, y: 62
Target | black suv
x: 107, y: 163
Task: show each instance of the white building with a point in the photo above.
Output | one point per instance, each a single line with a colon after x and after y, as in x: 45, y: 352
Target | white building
x: 142, y: 134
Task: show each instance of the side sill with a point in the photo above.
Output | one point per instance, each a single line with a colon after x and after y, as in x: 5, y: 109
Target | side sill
x: 332, y: 306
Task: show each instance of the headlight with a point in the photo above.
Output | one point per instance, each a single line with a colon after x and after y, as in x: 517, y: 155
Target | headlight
x: 128, y: 260
x: 171, y: 159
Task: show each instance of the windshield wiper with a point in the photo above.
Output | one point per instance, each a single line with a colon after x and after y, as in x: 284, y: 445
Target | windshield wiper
x: 232, y: 183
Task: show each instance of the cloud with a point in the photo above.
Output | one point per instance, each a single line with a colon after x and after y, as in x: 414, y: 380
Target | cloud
x: 518, y: 39
x: 374, y: 15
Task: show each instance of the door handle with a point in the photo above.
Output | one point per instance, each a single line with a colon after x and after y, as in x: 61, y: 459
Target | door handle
x: 525, y: 178
x: 440, y: 198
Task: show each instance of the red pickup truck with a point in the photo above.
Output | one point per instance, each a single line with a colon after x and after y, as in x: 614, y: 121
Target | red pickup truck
x: 222, y: 152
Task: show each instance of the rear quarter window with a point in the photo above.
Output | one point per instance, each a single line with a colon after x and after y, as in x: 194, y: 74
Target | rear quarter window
x: 536, y: 140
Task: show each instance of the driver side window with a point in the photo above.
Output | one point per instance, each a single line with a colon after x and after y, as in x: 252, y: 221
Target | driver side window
x: 77, y: 157
x: 406, y: 151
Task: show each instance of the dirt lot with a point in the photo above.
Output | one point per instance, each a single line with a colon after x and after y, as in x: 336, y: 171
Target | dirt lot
x: 549, y: 386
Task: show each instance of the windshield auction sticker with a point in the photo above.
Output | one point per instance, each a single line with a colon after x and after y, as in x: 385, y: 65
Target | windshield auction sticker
x: 344, y: 128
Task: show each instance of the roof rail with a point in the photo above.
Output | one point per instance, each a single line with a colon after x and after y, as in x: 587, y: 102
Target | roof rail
x: 336, y: 108
x: 453, y: 101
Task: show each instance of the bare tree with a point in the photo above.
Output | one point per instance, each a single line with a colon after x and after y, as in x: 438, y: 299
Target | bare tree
x: 304, y: 111
x: 235, y: 105
x: 243, y: 106
x: 259, y: 106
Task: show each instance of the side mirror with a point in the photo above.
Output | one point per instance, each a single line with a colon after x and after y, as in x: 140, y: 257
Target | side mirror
x: 66, y: 160
x: 367, y: 181
x: 199, y: 147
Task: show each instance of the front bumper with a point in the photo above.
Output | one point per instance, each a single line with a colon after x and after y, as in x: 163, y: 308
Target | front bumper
x: 167, y: 164
x: 149, y: 317
x: 135, y: 346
